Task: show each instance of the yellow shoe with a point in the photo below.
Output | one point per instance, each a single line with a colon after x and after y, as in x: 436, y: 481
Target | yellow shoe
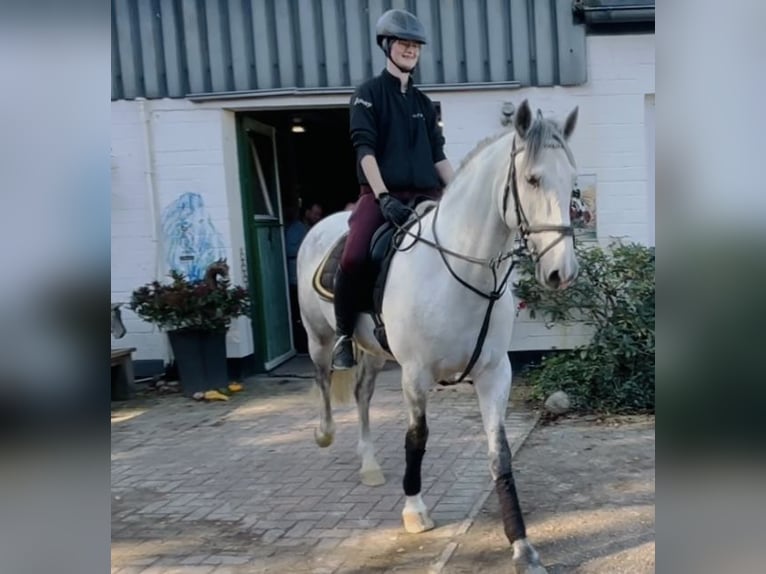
x: 215, y: 396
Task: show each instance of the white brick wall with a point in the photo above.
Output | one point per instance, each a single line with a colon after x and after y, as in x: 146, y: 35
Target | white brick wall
x: 195, y: 150
x: 188, y: 156
x: 133, y: 248
x: 610, y: 141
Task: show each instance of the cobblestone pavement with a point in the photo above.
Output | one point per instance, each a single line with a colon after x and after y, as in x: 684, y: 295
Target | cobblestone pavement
x: 588, y: 489
x: 240, y: 486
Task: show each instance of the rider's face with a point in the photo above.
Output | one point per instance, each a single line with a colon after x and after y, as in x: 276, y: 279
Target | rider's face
x: 405, y: 53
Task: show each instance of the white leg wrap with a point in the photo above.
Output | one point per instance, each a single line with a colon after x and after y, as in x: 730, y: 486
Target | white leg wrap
x: 415, y: 515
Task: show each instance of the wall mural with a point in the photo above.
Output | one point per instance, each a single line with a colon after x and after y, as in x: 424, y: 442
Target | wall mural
x: 190, y: 238
x: 582, y: 210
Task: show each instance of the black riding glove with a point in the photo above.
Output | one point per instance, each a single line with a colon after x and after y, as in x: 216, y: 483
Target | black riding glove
x: 393, y: 209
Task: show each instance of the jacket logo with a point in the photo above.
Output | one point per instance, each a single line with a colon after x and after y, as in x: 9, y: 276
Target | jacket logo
x: 418, y: 115
x: 365, y: 103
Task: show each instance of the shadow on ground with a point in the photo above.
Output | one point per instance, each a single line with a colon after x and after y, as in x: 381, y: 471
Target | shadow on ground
x: 587, y: 491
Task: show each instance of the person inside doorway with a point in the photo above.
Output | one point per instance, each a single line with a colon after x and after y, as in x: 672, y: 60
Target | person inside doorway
x: 312, y: 214
x: 295, y: 232
x: 399, y: 156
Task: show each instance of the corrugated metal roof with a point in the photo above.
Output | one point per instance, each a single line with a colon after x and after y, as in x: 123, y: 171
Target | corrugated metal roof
x: 174, y: 48
x: 607, y: 12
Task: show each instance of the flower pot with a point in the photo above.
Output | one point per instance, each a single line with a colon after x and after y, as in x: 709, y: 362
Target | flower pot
x: 201, y: 359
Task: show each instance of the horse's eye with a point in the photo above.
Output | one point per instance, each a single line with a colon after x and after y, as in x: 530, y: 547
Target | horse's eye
x: 533, y: 180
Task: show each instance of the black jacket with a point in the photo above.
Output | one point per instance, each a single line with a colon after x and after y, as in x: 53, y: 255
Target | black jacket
x: 400, y: 130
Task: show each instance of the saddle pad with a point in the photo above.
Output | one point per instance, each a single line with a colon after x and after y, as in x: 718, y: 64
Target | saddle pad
x: 324, y: 276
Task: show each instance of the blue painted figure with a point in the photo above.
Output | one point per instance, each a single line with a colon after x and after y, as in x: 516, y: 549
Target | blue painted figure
x: 191, y: 241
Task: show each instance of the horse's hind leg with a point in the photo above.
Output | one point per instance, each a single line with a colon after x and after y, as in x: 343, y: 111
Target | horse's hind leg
x: 415, y: 514
x: 321, y: 356
x: 493, y: 387
x: 368, y: 368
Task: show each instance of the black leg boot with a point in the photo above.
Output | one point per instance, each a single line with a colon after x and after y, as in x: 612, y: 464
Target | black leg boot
x: 345, y: 321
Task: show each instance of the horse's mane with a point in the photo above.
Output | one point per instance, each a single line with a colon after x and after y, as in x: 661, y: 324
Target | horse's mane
x: 479, y: 147
x: 543, y: 132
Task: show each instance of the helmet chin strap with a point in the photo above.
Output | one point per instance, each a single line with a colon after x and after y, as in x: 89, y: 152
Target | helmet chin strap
x: 387, y: 50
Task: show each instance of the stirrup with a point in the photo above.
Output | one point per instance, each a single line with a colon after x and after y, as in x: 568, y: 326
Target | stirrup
x: 338, y: 350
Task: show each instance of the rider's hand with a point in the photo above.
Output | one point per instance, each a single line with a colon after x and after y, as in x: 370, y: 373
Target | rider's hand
x: 393, y: 209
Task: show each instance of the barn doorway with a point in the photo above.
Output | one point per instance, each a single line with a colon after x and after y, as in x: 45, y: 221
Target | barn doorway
x: 313, y: 165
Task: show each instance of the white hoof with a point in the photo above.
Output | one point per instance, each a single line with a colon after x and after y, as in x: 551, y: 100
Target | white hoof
x: 525, y: 559
x: 372, y: 477
x: 417, y: 522
x: 323, y: 440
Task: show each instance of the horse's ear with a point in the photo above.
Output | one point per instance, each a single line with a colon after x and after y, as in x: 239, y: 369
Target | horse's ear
x: 571, y: 122
x: 522, y: 119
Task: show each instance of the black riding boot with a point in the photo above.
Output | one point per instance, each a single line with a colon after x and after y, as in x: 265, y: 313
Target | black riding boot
x: 345, y: 321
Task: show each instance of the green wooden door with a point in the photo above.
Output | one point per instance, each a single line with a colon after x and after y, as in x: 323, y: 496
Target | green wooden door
x: 267, y: 271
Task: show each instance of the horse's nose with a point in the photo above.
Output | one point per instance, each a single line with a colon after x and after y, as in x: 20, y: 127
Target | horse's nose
x: 554, y: 279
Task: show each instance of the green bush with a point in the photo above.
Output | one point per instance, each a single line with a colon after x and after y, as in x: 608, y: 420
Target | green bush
x: 614, y: 294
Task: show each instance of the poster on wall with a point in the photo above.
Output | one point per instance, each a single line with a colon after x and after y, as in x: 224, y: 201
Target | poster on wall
x: 191, y: 240
x: 582, y: 210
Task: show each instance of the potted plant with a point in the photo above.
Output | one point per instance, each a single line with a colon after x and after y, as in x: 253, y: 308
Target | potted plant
x: 196, y: 316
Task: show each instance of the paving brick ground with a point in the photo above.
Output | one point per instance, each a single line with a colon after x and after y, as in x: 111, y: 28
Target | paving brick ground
x: 240, y: 486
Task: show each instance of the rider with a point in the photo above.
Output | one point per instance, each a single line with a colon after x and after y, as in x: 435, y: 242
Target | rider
x: 399, y: 150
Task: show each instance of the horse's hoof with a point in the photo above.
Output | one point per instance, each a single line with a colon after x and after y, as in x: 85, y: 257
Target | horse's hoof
x: 323, y: 440
x: 528, y: 563
x: 417, y: 522
x: 372, y: 477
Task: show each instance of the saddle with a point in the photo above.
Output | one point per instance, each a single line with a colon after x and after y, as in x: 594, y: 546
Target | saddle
x: 381, y: 252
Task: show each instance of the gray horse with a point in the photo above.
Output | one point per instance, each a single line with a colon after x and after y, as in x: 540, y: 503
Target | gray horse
x: 446, y: 290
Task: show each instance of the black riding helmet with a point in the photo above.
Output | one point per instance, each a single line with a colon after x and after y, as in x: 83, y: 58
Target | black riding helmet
x: 398, y: 25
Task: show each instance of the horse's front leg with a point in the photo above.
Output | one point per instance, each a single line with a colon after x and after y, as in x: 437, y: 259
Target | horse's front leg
x: 415, y: 514
x: 321, y: 357
x: 367, y: 371
x: 493, y: 387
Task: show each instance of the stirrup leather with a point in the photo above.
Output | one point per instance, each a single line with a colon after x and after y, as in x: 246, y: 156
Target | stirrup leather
x: 340, y: 340
x: 343, y: 358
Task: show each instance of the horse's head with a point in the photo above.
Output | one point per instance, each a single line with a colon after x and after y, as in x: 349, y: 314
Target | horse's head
x: 544, y: 174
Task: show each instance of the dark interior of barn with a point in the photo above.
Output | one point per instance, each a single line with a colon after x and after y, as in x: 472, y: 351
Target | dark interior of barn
x: 316, y: 160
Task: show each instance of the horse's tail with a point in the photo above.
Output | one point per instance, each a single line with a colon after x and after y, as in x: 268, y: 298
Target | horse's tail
x: 342, y: 384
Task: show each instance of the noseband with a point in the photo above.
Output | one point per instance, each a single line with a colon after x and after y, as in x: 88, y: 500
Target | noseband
x: 525, y: 229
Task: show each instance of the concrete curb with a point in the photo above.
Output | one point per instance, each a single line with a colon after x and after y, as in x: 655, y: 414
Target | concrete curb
x: 438, y: 566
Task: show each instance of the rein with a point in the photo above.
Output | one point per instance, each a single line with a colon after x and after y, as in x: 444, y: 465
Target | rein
x: 525, y: 230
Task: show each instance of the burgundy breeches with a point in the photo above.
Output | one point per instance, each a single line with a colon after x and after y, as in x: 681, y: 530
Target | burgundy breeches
x: 364, y: 221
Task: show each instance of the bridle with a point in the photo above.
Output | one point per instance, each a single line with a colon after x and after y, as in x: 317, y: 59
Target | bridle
x: 525, y: 231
